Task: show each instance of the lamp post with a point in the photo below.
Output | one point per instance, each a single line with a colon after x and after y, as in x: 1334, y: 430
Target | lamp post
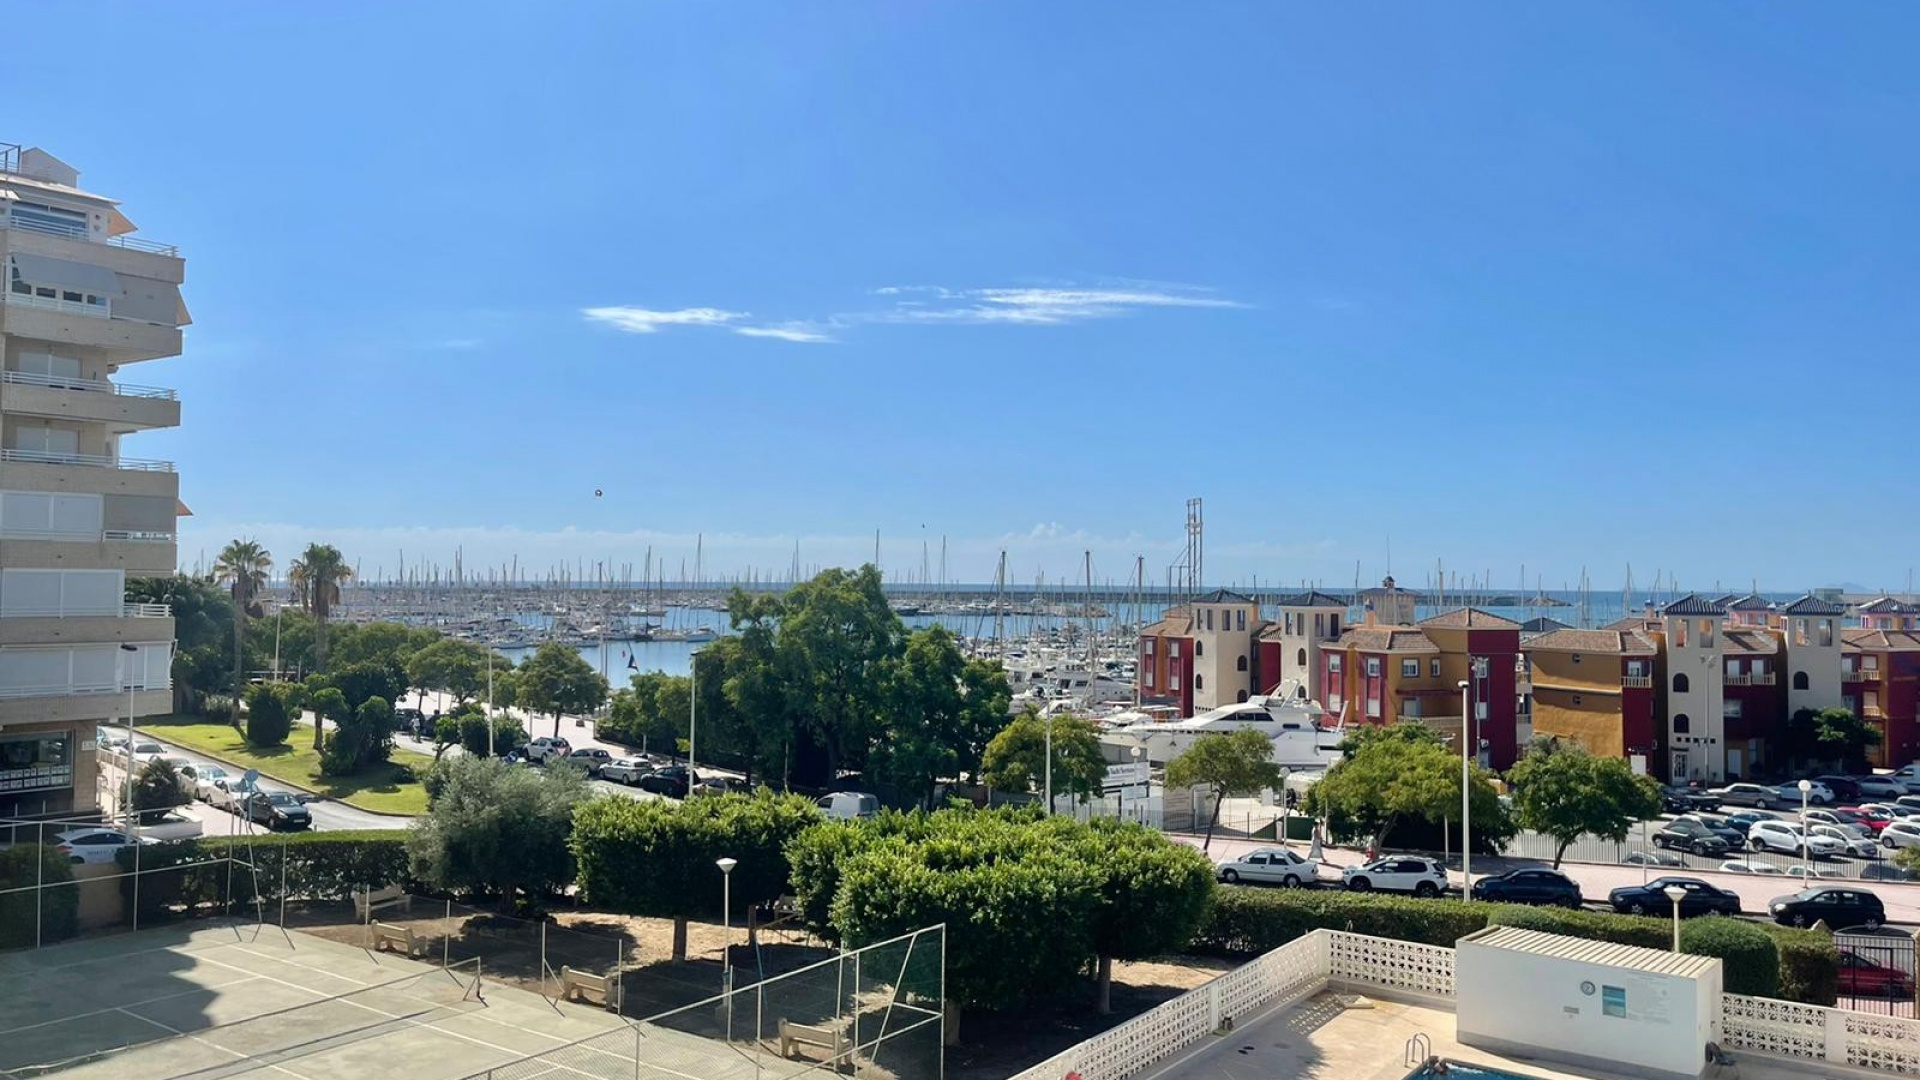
x: 490, y: 752
x: 1806, y: 872
x: 693, y: 712
x: 1046, y: 785
x: 1675, y: 894
x: 726, y: 935
x: 127, y: 675
x: 1466, y: 792
x: 1138, y: 753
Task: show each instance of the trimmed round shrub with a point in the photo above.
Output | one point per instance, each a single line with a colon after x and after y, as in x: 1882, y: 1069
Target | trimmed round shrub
x: 1749, y: 958
x: 1249, y: 921
x: 1809, y: 964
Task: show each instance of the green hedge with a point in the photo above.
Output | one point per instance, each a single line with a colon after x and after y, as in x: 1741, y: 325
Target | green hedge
x: 1809, y: 964
x: 27, y: 919
x: 1618, y: 929
x: 1250, y: 921
x: 192, y: 876
x: 1750, y: 963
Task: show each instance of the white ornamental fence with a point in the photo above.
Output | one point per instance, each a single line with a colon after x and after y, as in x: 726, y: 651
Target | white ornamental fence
x: 1331, y: 958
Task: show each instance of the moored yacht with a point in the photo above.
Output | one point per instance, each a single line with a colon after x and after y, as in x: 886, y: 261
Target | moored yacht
x: 1290, y: 721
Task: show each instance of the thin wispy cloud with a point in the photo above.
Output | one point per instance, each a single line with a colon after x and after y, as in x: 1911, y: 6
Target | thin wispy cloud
x: 933, y: 305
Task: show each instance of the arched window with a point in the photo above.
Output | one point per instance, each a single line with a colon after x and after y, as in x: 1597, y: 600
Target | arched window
x: 1241, y: 664
x: 1199, y: 648
x: 1680, y: 683
x: 1300, y: 658
x: 1243, y: 695
x: 1300, y: 692
x: 1681, y: 725
x: 1199, y: 682
x: 1799, y: 680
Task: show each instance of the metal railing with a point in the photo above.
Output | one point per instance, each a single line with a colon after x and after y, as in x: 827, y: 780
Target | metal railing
x: 1759, y: 679
x: 54, y: 303
x: 81, y: 611
x: 98, y: 386
x: 131, y: 243
x: 101, y: 461
x: 1636, y: 682
x: 87, y: 535
x: 72, y: 690
x: 1872, y: 712
x: 1860, y: 675
x: 139, y: 536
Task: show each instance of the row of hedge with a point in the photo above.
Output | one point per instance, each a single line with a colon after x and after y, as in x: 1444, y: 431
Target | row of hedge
x: 194, y: 875
x: 1760, y: 959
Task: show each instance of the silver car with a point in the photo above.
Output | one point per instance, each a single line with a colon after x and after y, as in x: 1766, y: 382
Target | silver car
x: 1269, y: 866
x: 626, y: 770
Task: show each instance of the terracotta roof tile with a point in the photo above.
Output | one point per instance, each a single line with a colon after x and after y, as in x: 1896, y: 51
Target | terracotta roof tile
x: 1387, y: 639
x: 1468, y: 618
x: 1749, y: 642
x: 1859, y: 637
x: 1609, y: 642
x: 1171, y: 625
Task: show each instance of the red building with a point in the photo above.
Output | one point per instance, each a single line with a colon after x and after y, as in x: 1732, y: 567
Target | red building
x: 1166, y: 663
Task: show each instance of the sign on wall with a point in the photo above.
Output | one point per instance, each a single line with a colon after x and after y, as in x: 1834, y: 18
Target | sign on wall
x: 36, y: 763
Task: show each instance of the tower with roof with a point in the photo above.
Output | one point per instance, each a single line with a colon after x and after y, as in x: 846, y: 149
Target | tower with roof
x: 1693, y: 690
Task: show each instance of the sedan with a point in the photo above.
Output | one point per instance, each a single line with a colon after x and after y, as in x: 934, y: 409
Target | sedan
x: 1837, y: 788
x: 1744, y: 820
x: 1838, y: 906
x: 1812, y: 873
x: 1651, y: 899
x: 92, y: 845
x: 1529, y: 887
x: 275, y: 810
x: 1680, y: 800
x: 1861, y: 977
x: 1398, y: 873
x: 1901, y: 834
x: 1879, y: 787
x: 591, y: 758
x: 1748, y: 866
x: 1788, y: 794
x: 209, y: 778
x: 1735, y: 837
x: 1682, y: 834
x: 1652, y: 858
x: 626, y: 770
x: 1269, y: 866
x: 1754, y: 795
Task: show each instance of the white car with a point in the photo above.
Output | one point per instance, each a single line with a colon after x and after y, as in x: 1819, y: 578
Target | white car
x: 1748, y: 866
x: 1818, y: 794
x: 1880, y: 787
x: 1908, y: 777
x: 1788, y: 836
x: 93, y: 845
x: 209, y: 778
x: 1398, y: 873
x: 626, y: 770
x: 1269, y: 866
x: 1904, y: 833
x: 1812, y: 873
x: 1834, y: 820
x: 1858, y: 846
x: 546, y: 747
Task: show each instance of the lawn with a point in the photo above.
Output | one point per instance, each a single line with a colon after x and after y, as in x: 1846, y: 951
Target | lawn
x: 382, y: 789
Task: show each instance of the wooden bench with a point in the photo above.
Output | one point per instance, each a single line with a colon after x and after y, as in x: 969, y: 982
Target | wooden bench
x: 385, y: 934
x: 831, y: 1039
x: 576, y: 985
x: 368, y: 901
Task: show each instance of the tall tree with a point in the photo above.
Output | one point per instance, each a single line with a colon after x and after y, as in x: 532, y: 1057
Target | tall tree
x: 933, y: 713
x: 1240, y: 763
x: 556, y: 680
x: 835, y: 631
x: 1016, y: 759
x: 1832, y: 734
x: 316, y: 577
x: 457, y: 667
x: 1394, y: 776
x: 496, y: 829
x: 1565, y: 792
x: 242, y: 567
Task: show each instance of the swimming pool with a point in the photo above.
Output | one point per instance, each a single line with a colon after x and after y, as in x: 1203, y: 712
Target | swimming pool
x: 1454, y: 1070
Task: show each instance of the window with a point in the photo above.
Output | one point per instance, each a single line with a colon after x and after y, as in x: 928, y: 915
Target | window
x: 1240, y: 619
x: 1243, y: 695
x: 1149, y: 678
x: 1333, y: 662
x: 1680, y: 684
x: 1173, y: 649
x: 1409, y: 669
x: 1146, y: 649
x: 1826, y: 633
x: 1288, y: 617
x: 1373, y: 667
x: 1799, y: 631
x: 1433, y: 668
x: 1199, y: 648
x: 1681, y: 725
x: 56, y: 220
x: 1635, y: 668
x: 1680, y: 633
x: 1576, y: 699
x: 1301, y: 658
x: 1209, y: 622
x: 1241, y: 664
x: 1333, y: 623
x: 1706, y: 633
x: 1799, y: 680
x: 1199, y: 681
x: 1730, y: 709
x: 1576, y: 658
x: 1373, y: 707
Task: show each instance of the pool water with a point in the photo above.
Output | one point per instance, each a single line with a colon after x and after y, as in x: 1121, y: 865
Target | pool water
x: 1458, y: 1071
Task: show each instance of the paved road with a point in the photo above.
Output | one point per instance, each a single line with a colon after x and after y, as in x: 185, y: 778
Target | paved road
x: 328, y: 814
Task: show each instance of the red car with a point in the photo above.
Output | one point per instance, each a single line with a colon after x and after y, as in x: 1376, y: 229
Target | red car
x: 1861, y: 977
x: 1866, y: 819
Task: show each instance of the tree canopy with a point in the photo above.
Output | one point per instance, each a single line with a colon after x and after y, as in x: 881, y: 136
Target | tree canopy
x: 1566, y: 793
x: 1832, y: 734
x: 1235, y: 764
x: 493, y: 829
x: 1016, y: 758
x: 456, y: 667
x: 1399, y: 773
x: 556, y: 680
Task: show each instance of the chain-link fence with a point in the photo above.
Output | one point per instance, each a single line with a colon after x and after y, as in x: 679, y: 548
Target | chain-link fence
x: 539, y: 955
x: 870, y: 1012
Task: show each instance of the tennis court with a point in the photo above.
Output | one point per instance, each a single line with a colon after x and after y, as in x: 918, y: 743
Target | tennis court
x: 243, y: 999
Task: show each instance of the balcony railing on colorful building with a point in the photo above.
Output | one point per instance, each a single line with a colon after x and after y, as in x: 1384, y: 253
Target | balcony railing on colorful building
x: 98, y: 461
x: 1873, y: 712
x: 1860, y: 675
x: 1636, y: 682
x: 98, y: 386
x: 1764, y: 678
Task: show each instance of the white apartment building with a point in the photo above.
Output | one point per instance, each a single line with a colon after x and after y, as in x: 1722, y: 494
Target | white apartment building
x: 83, y: 300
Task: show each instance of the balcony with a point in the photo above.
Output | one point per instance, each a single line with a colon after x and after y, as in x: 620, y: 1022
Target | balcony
x: 1636, y: 682
x: 89, y: 611
x: 123, y: 407
x: 1860, y: 675
x: 92, y: 461
x: 128, y: 243
x: 92, y: 326
x: 1873, y: 712
x: 1758, y: 679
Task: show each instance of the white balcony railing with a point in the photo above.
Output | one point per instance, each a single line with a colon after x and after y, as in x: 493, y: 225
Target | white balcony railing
x: 66, y: 690
x: 84, y: 611
x: 131, y: 243
x: 1637, y: 682
x: 146, y: 611
x: 1757, y: 679
x: 99, y: 461
x: 86, y: 536
x: 98, y: 386
x: 54, y: 303
x: 139, y: 537
x: 1860, y: 675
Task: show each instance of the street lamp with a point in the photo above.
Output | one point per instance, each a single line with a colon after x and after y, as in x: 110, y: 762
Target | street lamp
x: 1046, y: 785
x: 127, y: 676
x: 1806, y: 787
x: 1466, y: 793
x: 693, y: 711
x: 1675, y: 894
x: 1138, y: 753
x: 726, y: 935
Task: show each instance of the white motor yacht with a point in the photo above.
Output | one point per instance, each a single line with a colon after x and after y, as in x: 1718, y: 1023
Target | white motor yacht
x: 1290, y: 721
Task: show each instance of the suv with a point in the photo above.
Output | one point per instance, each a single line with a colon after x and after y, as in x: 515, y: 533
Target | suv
x: 1735, y: 837
x: 1416, y: 874
x: 1791, y: 837
x: 1879, y: 787
x: 626, y: 770
x: 1686, y: 834
x: 1842, y: 907
x: 543, y: 748
x: 1843, y: 788
x: 674, y: 781
x: 591, y: 758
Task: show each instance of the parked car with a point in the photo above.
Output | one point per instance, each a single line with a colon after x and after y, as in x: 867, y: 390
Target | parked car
x: 92, y: 845
x: 723, y: 785
x: 1908, y: 776
x: 546, y: 747
x: 591, y: 758
x: 1909, y: 804
x: 1818, y: 794
x: 1529, y: 887
x: 1812, y: 873
x: 673, y: 781
x: 145, y: 750
x: 1848, y: 818
x: 847, y: 805
x: 1755, y: 795
x: 1878, y: 787
x: 1837, y: 788
x: 1860, y: 847
x: 1748, y: 866
x: 1682, y: 834
x: 1901, y: 834
x: 625, y: 770
x: 275, y: 810
x: 209, y: 778
x: 1744, y: 819
x: 1735, y: 838
x: 1398, y: 873
x: 1886, y: 871
x: 1269, y: 866
x: 1861, y: 977
x: 1684, y: 800
x: 1840, y: 906
x: 1652, y: 858
x: 1791, y: 837
x: 1651, y: 898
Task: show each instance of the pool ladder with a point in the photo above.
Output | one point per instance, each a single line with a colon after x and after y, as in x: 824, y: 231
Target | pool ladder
x: 1419, y: 1049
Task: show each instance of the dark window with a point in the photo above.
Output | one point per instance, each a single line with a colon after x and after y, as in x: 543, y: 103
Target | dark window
x: 1799, y: 680
x: 1682, y: 725
x: 1199, y: 683
x: 1680, y: 683
x: 1301, y: 658
x: 1199, y: 648
x: 1243, y: 695
x: 1241, y: 664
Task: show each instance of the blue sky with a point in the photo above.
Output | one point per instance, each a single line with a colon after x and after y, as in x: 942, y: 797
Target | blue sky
x: 1561, y: 286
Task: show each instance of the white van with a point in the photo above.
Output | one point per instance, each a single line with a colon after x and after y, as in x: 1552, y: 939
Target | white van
x: 847, y: 805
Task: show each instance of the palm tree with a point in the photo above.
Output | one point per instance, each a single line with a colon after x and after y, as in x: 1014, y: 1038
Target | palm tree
x: 316, y: 576
x: 243, y: 566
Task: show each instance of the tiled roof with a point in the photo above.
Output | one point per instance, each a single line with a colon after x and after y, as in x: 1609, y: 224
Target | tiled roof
x: 1726, y: 601
x: 1631, y: 622
x: 1887, y: 605
x: 1173, y: 624
x: 1693, y: 604
x: 1749, y: 602
x: 1612, y: 642
x: 1387, y: 639
x: 1314, y: 598
x: 1541, y: 625
x: 1222, y: 596
x: 1758, y: 642
x: 1813, y: 605
x: 1893, y: 640
x: 1470, y: 619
